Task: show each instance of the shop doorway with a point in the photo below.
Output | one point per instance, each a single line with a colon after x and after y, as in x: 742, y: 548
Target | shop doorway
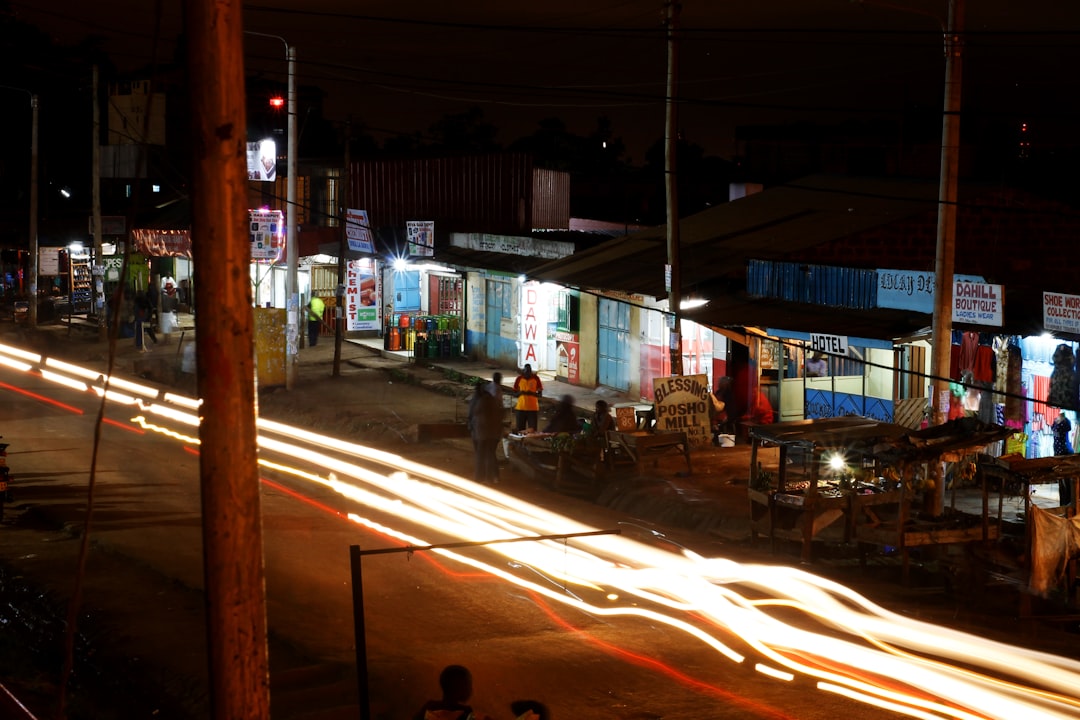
x: 497, y: 308
x: 614, y: 343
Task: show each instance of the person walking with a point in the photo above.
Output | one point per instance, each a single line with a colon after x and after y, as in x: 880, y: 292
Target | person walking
x: 527, y: 407
x: 315, y: 309
x: 455, y: 681
x: 485, y: 426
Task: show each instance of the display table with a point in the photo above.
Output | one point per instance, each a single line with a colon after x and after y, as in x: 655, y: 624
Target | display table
x: 640, y: 447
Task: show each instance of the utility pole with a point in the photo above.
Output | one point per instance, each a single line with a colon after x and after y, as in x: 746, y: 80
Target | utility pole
x: 228, y: 461
x: 292, y: 252
x: 32, y: 317
x: 945, y: 256
x: 343, y: 203
x: 98, y: 278
x: 671, y: 146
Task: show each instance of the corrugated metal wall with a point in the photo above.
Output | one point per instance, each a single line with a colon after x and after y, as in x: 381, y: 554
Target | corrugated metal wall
x: 483, y: 193
x: 818, y: 284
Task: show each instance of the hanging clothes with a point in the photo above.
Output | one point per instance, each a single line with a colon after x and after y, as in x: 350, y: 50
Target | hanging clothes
x: 1063, y: 379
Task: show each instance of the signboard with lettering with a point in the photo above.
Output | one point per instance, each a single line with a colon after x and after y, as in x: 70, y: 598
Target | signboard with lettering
x: 530, y: 341
x: 361, y: 295
x: 977, y: 303
x: 683, y: 405
x: 1061, y: 312
x: 910, y: 289
x: 567, y: 347
x: 358, y: 232
x: 828, y: 344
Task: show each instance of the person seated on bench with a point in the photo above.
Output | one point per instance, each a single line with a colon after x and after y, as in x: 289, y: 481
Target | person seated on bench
x: 564, y: 420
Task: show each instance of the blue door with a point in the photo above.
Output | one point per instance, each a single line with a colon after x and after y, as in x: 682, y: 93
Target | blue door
x: 614, y: 344
x: 497, y: 307
x: 406, y: 291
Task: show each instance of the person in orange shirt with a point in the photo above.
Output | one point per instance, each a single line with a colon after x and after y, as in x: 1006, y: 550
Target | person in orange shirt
x: 527, y: 408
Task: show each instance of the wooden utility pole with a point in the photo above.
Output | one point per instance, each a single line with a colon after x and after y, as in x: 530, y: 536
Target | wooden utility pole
x: 946, y: 227
x: 232, y: 518
x: 97, y: 278
x: 671, y: 146
x: 340, y: 316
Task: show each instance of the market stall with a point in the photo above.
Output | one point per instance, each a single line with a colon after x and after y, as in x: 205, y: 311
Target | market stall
x: 856, y: 481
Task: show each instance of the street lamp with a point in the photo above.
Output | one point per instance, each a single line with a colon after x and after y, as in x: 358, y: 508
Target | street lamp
x: 292, y: 259
x: 31, y: 318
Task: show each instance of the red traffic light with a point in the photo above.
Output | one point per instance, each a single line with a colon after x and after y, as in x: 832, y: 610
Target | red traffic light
x: 277, y: 102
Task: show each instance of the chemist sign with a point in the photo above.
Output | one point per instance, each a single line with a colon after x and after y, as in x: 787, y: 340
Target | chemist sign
x: 977, y: 303
x: 683, y: 405
x: 1061, y: 312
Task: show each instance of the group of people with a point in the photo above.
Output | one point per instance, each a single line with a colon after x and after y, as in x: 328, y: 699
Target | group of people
x: 485, y: 418
x: 456, y: 684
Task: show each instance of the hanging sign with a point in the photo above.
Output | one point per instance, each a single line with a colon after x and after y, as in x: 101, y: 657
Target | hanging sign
x: 1061, y: 312
x: 358, y: 232
x: 977, y: 303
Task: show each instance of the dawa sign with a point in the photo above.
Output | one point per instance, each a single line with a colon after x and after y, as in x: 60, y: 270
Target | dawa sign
x: 977, y: 303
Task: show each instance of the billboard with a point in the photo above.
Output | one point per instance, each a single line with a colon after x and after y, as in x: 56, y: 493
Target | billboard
x: 361, y: 295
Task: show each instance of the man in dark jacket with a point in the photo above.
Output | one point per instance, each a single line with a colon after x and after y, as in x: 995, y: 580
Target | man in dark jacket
x: 485, y: 427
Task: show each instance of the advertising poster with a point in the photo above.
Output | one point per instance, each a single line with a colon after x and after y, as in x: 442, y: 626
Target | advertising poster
x: 262, y: 161
x: 421, y: 236
x: 267, y: 232
x: 567, y: 346
x: 682, y: 405
x: 361, y: 295
x: 358, y: 232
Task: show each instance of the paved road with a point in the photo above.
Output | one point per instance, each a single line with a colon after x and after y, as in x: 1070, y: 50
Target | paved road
x: 422, y: 611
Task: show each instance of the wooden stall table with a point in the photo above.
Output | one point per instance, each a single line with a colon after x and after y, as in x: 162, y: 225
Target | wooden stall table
x: 640, y: 446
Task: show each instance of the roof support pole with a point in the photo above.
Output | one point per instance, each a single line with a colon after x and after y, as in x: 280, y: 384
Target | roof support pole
x: 671, y: 145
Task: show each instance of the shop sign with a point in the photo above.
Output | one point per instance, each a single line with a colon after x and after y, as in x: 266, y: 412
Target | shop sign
x: 683, y: 405
x: 1061, y: 312
x: 358, y: 231
x: 421, y: 236
x: 829, y: 344
x: 362, y: 295
x: 513, y: 245
x: 978, y: 303
x: 910, y: 289
x: 528, y: 342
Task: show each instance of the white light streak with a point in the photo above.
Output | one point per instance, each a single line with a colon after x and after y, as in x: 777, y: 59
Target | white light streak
x: 31, y: 357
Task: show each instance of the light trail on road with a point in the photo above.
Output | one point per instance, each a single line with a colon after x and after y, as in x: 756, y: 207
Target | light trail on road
x: 863, y: 652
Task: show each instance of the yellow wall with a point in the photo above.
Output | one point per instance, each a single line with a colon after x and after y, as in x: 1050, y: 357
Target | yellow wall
x: 588, y: 338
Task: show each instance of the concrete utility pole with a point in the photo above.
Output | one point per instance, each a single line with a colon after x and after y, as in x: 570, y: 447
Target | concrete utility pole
x: 232, y: 518
x: 339, y: 311
x: 671, y: 140
x: 946, y: 228
x: 98, y: 279
x: 292, y: 252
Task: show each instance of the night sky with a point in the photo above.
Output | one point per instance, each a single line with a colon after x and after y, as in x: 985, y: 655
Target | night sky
x: 400, y: 65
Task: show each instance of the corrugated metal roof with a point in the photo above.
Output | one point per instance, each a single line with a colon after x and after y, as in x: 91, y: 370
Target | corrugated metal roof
x: 717, y: 244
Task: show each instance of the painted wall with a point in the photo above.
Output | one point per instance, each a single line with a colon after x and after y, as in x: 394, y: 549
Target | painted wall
x: 589, y: 314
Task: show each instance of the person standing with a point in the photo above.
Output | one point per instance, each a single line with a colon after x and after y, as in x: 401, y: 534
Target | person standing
x: 485, y: 427
x: 315, y: 309
x: 529, y: 389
